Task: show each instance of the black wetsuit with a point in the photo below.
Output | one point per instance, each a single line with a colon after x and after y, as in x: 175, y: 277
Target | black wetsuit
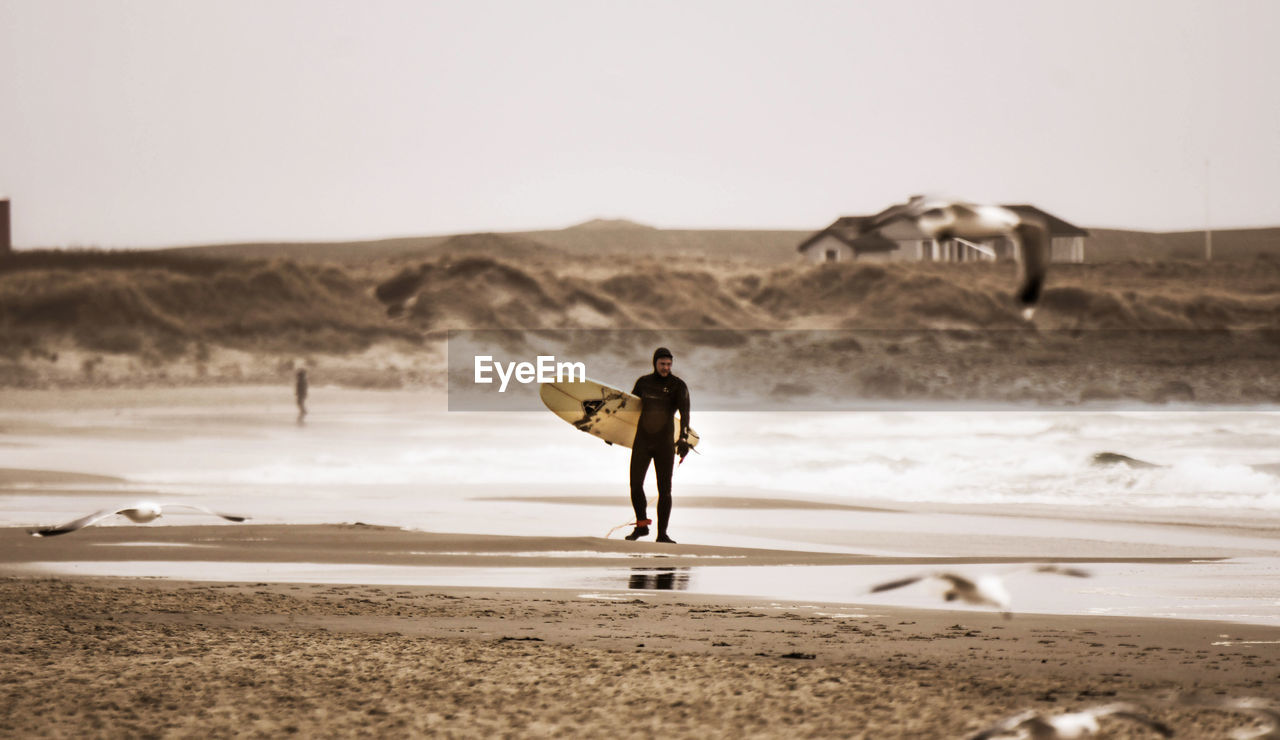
x: 655, y: 438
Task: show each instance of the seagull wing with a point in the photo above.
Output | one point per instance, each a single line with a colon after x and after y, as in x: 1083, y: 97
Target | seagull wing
x: 1262, y: 709
x: 72, y: 526
x: 193, y: 507
x: 1133, y: 712
x: 957, y: 581
x: 1032, y: 236
x: 1239, y: 703
x: 910, y: 209
x: 1030, y: 719
x: 1129, y: 711
x: 896, y: 584
x: 1250, y: 703
x: 1063, y: 571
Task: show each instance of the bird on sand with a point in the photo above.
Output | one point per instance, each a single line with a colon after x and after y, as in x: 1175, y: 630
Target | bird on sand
x: 1033, y: 725
x: 943, y: 219
x: 1261, y: 709
x: 141, y: 512
x: 984, y: 590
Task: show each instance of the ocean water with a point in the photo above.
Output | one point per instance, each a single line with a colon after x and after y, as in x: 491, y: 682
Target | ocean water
x: 398, y: 459
x: 1024, y: 457
x: 387, y: 458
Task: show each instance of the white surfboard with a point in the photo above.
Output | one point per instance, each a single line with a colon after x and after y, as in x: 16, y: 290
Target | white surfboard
x: 599, y: 410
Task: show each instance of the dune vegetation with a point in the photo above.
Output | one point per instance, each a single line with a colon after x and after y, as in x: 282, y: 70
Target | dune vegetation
x: 1153, y: 330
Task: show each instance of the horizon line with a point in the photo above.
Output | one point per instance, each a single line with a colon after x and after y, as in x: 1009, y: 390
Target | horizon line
x: 635, y: 225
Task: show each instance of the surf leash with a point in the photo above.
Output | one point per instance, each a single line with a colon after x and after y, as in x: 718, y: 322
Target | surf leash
x: 640, y: 523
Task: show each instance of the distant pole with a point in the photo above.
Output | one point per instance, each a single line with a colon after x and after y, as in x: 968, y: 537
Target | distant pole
x: 1208, y: 230
x: 6, y: 243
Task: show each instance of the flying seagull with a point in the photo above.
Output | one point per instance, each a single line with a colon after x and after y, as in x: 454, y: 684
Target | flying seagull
x: 142, y: 512
x: 985, y: 590
x: 1032, y: 725
x: 945, y: 219
x: 1262, y: 709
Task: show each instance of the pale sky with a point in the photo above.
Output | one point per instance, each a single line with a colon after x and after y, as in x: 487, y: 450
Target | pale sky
x: 167, y: 122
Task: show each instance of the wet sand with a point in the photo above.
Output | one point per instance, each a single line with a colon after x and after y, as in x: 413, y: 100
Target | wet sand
x: 382, y: 546
x: 1214, y: 577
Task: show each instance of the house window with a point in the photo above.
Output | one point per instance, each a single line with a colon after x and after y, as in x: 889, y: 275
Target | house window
x: 832, y: 255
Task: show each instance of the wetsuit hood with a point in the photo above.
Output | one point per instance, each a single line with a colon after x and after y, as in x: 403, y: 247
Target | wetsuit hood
x: 658, y: 354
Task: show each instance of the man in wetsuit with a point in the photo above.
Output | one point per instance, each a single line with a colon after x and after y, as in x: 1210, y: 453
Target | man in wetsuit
x: 661, y: 396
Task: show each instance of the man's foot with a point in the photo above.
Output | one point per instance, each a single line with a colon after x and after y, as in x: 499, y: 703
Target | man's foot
x: 666, y: 539
x: 637, y: 533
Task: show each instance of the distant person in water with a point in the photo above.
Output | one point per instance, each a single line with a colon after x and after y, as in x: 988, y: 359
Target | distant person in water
x: 300, y: 392
x: 661, y: 396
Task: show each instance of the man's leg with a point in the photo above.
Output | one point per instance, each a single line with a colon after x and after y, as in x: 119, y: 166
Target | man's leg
x: 663, y: 462
x: 640, y: 457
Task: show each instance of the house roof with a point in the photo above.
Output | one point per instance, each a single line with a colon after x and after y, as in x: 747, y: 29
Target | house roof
x: 819, y: 235
x: 848, y: 229
x: 809, y: 240
x: 848, y: 233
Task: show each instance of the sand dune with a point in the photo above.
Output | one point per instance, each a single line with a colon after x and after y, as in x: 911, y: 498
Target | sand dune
x: 1148, y: 332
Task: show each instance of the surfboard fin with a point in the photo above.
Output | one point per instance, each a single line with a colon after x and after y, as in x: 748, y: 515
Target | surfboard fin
x: 691, y: 449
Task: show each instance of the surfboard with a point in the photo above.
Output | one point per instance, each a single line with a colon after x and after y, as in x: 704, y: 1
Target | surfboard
x: 599, y: 410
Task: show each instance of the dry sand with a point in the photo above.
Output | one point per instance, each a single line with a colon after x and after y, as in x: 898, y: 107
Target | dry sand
x: 116, y: 657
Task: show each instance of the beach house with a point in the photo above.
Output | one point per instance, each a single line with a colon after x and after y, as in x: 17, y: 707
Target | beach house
x: 901, y: 241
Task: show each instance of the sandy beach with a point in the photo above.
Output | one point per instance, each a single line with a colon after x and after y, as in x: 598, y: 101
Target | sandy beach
x: 128, y: 657
x: 366, y: 597
x: 364, y: 649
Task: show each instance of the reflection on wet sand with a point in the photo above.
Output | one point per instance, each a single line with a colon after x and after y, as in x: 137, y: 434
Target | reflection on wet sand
x: 659, y: 579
